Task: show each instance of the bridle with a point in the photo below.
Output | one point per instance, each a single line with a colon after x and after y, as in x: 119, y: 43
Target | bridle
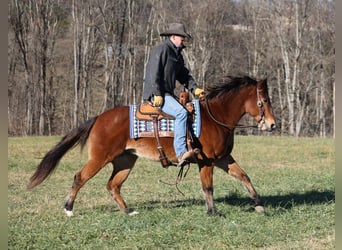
x: 229, y: 126
x: 261, y: 109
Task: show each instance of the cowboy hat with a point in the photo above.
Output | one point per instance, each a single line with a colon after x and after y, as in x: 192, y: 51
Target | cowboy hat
x: 176, y: 29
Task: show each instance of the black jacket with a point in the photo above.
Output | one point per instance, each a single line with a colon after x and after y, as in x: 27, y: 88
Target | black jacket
x: 164, y: 67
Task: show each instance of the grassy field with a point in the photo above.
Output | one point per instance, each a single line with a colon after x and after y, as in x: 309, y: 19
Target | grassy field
x: 295, y: 177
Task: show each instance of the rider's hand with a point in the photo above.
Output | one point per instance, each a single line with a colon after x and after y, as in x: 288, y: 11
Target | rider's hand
x: 200, y: 93
x: 157, y: 100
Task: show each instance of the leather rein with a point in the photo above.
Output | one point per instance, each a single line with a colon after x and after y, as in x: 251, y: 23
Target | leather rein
x: 229, y: 126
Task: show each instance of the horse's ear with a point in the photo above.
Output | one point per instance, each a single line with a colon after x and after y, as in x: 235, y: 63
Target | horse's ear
x: 264, y: 82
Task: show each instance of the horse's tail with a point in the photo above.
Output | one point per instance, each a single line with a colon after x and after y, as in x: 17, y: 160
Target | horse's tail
x: 51, y: 159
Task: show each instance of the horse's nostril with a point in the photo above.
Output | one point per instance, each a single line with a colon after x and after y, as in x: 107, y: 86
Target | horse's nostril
x: 273, y: 126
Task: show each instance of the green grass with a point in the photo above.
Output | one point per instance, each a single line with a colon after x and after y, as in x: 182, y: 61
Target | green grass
x: 295, y: 177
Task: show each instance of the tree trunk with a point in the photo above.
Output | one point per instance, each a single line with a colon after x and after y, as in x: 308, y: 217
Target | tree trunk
x: 77, y: 59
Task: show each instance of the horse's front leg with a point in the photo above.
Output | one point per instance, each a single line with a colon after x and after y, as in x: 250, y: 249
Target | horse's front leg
x: 230, y: 166
x: 206, y: 174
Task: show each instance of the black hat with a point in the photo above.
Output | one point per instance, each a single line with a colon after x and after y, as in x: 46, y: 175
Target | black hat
x: 176, y: 29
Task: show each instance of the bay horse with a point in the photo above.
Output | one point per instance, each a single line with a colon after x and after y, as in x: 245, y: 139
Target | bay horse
x: 109, y: 142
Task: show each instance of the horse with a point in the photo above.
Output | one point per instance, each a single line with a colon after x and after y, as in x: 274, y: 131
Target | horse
x: 109, y: 141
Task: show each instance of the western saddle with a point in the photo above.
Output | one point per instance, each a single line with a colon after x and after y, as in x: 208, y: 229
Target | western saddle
x: 146, y: 111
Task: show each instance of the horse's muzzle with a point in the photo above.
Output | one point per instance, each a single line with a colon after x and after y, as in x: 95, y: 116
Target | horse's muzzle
x: 263, y: 125
x: 272, y: 127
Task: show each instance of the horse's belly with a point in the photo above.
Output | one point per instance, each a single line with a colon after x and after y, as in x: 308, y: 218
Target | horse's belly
x: 147, y: 148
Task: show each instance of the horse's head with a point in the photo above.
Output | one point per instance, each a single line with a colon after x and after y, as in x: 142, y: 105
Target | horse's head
x: 259, y: 106
x: 240, y: 95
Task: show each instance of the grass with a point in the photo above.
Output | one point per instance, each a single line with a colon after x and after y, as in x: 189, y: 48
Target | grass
x: 295, y: 177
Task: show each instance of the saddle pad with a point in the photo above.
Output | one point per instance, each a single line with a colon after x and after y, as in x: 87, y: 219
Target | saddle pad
x: 142, y: 128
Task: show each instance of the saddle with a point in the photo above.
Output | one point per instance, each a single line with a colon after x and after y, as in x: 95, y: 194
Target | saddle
x: 146, y: 111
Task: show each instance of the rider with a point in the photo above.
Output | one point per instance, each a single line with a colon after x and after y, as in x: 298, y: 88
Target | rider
x: 164, y: 67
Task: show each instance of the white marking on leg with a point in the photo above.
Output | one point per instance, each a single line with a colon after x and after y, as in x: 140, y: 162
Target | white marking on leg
x: 68, y: 212
x: 133, y: 213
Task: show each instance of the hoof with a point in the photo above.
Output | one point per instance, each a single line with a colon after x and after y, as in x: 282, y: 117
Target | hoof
x: 259, y: 209
x: 69, y: 213
x: 132, y: 213
x: 212, y: 211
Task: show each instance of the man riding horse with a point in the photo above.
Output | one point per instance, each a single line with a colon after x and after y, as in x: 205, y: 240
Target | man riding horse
x: 164, y: 67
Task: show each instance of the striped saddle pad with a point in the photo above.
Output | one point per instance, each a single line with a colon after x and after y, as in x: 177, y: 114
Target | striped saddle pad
x: 144, y: 128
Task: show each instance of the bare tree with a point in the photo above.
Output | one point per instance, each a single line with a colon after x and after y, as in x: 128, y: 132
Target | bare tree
x: 77, y: 57
x: 69, y: 60
x: 34, y: 27
x: 46, y: 32
x: 19, y: 21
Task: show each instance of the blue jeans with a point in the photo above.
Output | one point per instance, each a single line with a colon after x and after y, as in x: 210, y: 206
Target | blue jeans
x: 172, y: 107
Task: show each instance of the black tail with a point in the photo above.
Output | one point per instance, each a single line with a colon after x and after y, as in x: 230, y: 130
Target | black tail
x: 52, y: 158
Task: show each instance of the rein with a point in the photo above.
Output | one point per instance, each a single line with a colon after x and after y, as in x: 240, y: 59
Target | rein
x: 229, y: 126
x: 180, y: 177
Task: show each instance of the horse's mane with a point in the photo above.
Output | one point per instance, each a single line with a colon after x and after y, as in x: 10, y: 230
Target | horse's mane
x: 229, y: 84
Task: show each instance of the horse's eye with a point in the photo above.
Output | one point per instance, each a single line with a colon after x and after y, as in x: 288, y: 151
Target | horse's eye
x: 266, y: 100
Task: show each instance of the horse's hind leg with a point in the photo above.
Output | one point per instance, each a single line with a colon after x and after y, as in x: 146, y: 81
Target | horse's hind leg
x: 230, y: 166
x: 80, y: 178
x: 122, y: 166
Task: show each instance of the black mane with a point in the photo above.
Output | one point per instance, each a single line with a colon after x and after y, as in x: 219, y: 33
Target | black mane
x: 229, y: 84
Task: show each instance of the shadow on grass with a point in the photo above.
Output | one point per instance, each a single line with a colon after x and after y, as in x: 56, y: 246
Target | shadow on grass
x: 281, y: 201
x: 285, y: 201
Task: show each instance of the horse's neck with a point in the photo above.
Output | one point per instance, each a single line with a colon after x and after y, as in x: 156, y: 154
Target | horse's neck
x: 228, y: 111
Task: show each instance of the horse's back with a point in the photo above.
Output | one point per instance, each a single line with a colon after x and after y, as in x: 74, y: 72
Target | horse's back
x: 110, y: 136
